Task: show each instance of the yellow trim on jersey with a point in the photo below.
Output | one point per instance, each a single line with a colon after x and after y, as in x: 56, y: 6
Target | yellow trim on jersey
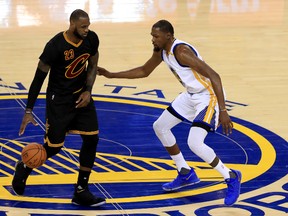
x: 211, y: 109
x: 213, y: 100
x: 46, y: 140
x: 70, y: 42
x: 83, y: 132
x: 202, y: 80
x: 77, y: 90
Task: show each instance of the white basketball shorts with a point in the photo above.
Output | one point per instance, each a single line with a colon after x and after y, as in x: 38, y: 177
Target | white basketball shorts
x: 199, y: 108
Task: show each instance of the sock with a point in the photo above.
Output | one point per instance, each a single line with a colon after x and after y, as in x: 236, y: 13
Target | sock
x: 232, y: 174
x: 223, y: 170
x: 180, y: 162
x: 83, y: 178
x: 184, y: 171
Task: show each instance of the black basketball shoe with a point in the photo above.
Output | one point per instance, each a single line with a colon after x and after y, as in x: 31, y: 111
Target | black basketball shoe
x: 82, y: 196
x: 20, y: 176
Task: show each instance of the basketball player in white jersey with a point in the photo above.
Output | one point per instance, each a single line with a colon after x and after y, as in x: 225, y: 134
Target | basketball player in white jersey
x: 202, y: 103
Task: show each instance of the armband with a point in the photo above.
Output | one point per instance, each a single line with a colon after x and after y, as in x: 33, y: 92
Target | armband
x: 35, y: 88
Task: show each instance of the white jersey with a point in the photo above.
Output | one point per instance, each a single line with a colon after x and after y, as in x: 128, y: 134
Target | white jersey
x: 190, y: 79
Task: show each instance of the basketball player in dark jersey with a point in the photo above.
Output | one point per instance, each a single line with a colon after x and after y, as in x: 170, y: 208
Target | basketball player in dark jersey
x: 71, y: 58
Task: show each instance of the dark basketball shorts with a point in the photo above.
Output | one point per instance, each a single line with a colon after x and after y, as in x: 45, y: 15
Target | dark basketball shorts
x: 62, y: 117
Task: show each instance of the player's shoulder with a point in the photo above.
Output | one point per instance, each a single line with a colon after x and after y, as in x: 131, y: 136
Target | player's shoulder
x: 58, y: 37
x: 92, y: 35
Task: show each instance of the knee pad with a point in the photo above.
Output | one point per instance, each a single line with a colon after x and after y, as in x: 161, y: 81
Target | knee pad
x: 196, y: 144
x: 164, y: 134
x: 88, y: 150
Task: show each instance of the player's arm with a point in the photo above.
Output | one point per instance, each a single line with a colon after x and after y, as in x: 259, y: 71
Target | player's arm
x: 35, y: 87
x: 187, y: 57
x: 91, y: 71
x: 85, y: 97
x: 138, y: 72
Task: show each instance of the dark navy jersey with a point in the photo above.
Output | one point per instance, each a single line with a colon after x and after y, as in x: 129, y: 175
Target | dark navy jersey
x: 68, y: 62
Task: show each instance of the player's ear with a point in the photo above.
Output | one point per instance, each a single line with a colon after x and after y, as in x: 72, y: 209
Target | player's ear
x: 168, y: 36
x: 72, y: 23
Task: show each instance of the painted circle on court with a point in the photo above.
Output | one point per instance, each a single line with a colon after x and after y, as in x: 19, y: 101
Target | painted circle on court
x: 131, y: 163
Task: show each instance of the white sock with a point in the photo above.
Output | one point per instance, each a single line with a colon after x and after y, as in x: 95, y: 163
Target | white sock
x: 180, y: 161
x: 223, y: 170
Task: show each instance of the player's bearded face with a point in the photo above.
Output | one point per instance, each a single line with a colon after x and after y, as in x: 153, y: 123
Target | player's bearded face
x: 77, y: 34
x: 156, y: 49
x: 157, y: 39
x: 81, y: 27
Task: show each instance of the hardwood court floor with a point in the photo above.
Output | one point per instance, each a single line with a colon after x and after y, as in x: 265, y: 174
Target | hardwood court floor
x: 244, y: 41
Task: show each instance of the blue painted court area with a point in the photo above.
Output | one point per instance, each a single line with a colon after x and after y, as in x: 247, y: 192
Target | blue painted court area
x: 130, y: 156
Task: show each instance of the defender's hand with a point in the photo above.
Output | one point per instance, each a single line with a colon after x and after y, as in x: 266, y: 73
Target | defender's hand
x: 103, y: 72
x: 226, y: 122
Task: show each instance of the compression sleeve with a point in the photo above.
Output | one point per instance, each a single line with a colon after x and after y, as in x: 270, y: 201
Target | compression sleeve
x: 35, y: 88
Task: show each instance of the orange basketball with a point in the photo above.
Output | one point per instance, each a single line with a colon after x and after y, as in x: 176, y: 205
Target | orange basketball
x: 33, y: 155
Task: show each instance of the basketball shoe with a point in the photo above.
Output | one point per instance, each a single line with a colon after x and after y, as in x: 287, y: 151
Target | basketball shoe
x: 82, y: 196
x: 20, y: 176
x: 233, y: 188
x: 181, y: 181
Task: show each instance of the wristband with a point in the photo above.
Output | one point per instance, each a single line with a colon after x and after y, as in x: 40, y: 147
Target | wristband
x: 223, y: 110
x: 88, y: 88
x: 28, y: 111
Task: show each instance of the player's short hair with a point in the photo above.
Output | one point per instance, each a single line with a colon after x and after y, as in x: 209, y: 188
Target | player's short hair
x: 76, y: 14
x: 164, y: 26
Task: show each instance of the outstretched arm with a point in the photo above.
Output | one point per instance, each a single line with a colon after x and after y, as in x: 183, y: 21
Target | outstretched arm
x: 138, y: 72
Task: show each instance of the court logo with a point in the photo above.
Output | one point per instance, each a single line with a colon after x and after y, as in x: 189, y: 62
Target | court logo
x: 132, y: 165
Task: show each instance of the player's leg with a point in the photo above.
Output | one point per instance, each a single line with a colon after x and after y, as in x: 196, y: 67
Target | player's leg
x: 86, y: 124
x: 162, y: 127
x: 20, y: 177
x: 52, y: 147
x: 54, y: 138
x: 204, y: 122
x: 82, y: 195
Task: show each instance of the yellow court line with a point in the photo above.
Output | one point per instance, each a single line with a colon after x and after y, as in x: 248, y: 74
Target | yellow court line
x: 268, y: 157
x: 76, y: 153
x: 114, y: 164
x: 7, y: 165
x: 154, y: 165
x: 133, y: 164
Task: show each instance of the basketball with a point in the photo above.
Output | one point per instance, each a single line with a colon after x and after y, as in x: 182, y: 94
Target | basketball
x: 33, y: 155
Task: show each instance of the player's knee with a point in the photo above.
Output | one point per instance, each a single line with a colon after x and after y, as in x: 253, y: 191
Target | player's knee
x: 164, y: 134
x: 159, y: 127
x: 91, y: 139
x: 196, y: 140
x: 195, y: 145
x: 51, y: 151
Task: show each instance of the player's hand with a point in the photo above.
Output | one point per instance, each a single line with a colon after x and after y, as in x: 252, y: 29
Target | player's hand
x: 83, y: 100
x: 27, y: 118
x: 226, y: 122
x: 103, y: 72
